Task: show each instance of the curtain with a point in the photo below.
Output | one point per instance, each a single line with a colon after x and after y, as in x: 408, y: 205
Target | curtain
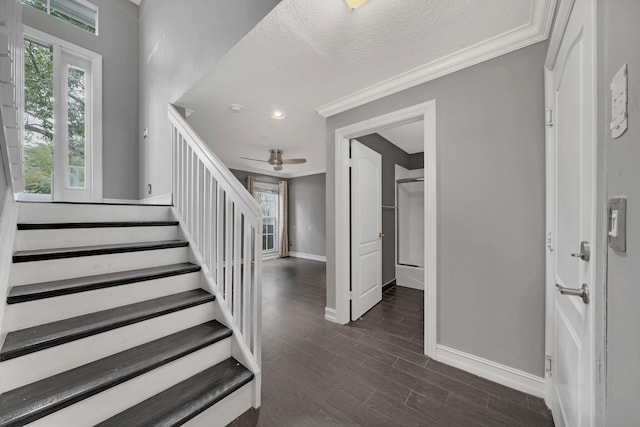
x: 284, y: 219
x: 250, y: 184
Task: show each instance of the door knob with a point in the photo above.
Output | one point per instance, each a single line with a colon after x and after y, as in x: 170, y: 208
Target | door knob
x: 583, y: 292
x: 585, y: 251
x: 381, y: 235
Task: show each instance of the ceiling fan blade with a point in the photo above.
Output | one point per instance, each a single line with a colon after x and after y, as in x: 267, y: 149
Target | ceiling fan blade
x: 294, y: 161
x: 277, y: 168
x: 255, y: 160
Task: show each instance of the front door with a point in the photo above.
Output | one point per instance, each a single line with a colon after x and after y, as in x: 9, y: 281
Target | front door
x: 62, y: 121
x: 366, y: 229
x: 573, y: 146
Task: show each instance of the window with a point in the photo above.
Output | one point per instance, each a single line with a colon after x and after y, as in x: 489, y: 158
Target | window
x: 267, y: 195
x: 80, y: 13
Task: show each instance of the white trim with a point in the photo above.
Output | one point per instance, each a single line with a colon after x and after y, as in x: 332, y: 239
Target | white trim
x: 493, y: 371
x: 330, y: 314
x: 162, y: 199
x: 426, y: 112
x: 562, y: 19
x: 268, y: 256
x: 319, y: 258
x: 535, y: 31
x: 121, y: 201
x: 8, y: 222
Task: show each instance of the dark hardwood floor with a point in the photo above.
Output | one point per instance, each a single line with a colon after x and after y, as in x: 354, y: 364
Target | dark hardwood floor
x: 370, y: 373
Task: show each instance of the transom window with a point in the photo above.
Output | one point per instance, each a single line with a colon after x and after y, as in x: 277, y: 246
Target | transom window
x: 80, y: 13
x: 267, y: 195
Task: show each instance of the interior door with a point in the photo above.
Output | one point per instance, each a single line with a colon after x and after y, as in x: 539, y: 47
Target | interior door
x: 572, y: 332
x: 366, y: 229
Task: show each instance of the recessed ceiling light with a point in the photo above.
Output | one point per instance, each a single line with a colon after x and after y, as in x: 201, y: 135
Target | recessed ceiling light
x: 354, y: 4
x: 236, y: 108
x: 277, y: 115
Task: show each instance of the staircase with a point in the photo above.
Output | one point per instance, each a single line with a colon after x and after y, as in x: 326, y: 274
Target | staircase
x: 112, y: 319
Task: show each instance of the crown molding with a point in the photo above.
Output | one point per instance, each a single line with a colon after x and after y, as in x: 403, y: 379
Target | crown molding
x: 535, y: 31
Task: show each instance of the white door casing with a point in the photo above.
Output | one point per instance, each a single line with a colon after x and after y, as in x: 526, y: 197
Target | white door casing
x: 571, y: 174
x: 366, y: 229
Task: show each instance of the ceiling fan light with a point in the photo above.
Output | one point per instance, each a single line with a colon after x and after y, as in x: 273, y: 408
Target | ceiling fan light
x: 354, y: 4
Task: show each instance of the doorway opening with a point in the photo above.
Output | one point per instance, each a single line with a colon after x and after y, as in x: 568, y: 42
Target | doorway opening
x: 344, y: 262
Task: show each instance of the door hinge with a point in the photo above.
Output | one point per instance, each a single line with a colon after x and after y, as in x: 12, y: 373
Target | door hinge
x: 548, y: 365
x: 548, y: 117
x: 350, y: 163
x: 350, y: 295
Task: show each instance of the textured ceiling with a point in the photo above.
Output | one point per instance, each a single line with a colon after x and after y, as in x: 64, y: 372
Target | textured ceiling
x: 409, y: 137
x: 307, y: 53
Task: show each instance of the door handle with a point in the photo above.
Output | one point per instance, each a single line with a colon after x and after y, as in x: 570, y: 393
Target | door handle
x: 585, y: 251
x: 583, y: 292
x: 381, y: 235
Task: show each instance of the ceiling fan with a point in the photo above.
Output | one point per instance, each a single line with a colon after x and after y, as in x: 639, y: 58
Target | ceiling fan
x: 276, y: 160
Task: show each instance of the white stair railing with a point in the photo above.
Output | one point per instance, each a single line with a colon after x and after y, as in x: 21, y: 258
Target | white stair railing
x: 225, y: 223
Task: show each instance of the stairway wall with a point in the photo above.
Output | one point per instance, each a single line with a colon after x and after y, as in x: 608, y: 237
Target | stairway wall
x: 3, y: 181
x: 117, y: 42
x: 179, y: 42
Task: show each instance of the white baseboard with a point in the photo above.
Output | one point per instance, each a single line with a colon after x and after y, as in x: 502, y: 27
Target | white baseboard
x: 121, y: 201
x: 269, y: 257
x: 501, y: 374
x: 311, y: 257
x: 162, y: 199
x: 330, y: 314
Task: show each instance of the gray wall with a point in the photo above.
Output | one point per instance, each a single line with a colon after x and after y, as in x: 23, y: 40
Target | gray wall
x: 117, y: 42
x: 391, y: 156
x: 490, y: 132
x: 307, y: 214
x: 622, y: 33
x: 179, y: 42
x: 242, y: 177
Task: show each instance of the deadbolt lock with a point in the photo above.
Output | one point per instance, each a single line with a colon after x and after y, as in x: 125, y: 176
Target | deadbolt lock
x: 585, y: 251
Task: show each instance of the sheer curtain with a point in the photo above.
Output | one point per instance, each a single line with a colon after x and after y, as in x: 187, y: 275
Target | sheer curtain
x: 284, y: 219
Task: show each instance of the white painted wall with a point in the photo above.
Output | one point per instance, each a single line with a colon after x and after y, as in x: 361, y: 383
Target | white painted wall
x: 180, y: 41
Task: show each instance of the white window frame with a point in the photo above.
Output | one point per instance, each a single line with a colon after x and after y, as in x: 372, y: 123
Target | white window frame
x: 94, y: 178
x: 84, y: 3
x: 272, y: 187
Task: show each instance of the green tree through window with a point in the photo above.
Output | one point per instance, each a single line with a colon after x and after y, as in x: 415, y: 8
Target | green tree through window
x: 38, y: 118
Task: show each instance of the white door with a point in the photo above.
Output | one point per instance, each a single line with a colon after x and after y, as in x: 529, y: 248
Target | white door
x: 572, y: 216
x: 366, y: 229
x: 73, y: 175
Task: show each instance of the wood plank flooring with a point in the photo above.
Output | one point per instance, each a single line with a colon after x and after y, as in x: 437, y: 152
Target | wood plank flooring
x: 369, y: 373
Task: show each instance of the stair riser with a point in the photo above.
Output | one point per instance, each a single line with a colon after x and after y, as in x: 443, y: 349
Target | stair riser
x: 70, y: 238
x: 42, y: 364
x: 54, y: 212
x: 116, y: 399
x: 228, y: 409
x: 59, y: 269
x: 32, y: 313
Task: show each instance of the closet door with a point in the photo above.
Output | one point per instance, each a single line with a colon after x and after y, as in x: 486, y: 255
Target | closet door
x: 366, y: 229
